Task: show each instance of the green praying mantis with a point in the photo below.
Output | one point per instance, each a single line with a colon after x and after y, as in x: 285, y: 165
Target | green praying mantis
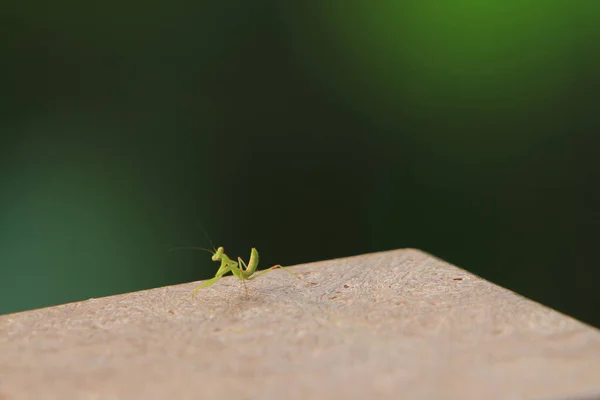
x: 238, y: 268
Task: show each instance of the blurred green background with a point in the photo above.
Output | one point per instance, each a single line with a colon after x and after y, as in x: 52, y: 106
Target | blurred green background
x: 310, y: 130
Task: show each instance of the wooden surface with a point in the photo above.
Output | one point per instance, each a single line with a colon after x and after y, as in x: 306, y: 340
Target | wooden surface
x: 393, y: 325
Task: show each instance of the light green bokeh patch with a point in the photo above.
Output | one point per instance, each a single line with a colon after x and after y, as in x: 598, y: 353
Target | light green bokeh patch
x: 446, y: 72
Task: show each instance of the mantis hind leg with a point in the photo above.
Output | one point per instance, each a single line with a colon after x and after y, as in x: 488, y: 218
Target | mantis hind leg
x: 245, y: 287
x: 264, y: 271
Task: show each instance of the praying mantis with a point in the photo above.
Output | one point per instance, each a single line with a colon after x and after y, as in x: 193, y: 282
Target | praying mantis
x: 238, y: 268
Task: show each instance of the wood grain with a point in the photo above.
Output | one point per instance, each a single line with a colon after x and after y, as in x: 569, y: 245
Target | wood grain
x: 392, y: 325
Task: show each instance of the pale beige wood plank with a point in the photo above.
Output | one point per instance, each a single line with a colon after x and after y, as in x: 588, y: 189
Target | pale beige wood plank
x: 390, y: 325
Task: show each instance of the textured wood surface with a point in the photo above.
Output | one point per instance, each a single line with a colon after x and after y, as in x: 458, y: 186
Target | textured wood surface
x: 392, y: 325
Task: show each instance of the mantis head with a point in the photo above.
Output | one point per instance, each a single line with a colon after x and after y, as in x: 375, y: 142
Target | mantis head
x: 217, y: 254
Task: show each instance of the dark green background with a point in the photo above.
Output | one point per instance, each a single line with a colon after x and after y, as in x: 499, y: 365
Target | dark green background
x: 310, y: 130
